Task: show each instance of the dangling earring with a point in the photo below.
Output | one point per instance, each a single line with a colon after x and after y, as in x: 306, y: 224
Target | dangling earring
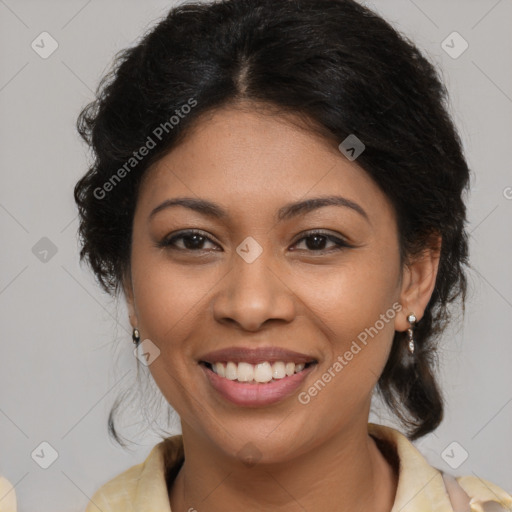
x: 136, y: 336
x: 412, y: 321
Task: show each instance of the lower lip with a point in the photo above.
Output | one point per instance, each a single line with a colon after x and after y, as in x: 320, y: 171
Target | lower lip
x: 257, y: 394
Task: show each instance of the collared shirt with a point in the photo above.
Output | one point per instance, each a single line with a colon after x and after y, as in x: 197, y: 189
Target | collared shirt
x: 421, y: 487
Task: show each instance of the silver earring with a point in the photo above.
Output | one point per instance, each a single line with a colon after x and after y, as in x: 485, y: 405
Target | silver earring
x: 410, y: 331
x: 136, y: 336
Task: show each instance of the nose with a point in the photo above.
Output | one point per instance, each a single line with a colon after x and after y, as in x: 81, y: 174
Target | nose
x: 251, y: 294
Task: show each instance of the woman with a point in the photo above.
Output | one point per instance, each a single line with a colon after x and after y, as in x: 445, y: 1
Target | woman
x: 278, y: 192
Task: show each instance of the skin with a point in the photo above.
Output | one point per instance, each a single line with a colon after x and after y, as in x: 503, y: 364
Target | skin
x: 294, y: 295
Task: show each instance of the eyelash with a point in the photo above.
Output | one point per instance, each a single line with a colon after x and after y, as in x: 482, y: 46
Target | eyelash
x: 168, y: 243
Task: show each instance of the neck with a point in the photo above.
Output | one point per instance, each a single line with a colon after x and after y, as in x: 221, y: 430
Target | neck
x: 347, y: 472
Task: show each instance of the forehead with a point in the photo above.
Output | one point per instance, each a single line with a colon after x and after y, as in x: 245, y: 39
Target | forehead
x: 247, y: 159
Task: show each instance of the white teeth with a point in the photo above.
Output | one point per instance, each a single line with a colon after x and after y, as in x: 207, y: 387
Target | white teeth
x: 219, y: 369
x: 231, y: 371
x: 278, y: 370
x: 245, y: 372
x: 290, y: 369
x: 261, y: 372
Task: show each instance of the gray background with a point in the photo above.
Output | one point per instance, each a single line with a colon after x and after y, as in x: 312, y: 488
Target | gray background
x: 66, y: 347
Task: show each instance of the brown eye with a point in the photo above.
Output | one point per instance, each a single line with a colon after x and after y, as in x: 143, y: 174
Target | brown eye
x: 195, y: 240
x: 316, y: 241
x: 192, y: 241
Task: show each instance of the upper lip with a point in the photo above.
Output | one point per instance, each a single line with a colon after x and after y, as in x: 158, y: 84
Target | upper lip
x: 255, y: 355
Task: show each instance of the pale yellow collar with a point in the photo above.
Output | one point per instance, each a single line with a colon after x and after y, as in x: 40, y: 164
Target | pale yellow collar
x: 421, y: 486
x: 143, y: 487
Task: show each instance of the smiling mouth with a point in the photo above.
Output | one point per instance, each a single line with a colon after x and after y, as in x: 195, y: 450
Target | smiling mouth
x: 263, y: 372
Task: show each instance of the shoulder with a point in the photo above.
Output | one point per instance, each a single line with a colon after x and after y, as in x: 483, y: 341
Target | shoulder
x: 7, y: 496
x: 141, y: 485
x: 426, y: 488
x: 482, y: 493
x: 118, y: 493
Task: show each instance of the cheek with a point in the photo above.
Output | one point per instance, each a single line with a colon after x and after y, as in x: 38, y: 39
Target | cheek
x: 169, y: 297
x: 353, y: 307
x: 170, y: 308
x: 351, y: 297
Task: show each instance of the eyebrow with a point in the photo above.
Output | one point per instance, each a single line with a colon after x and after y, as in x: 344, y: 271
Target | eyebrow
x: 286, y: 212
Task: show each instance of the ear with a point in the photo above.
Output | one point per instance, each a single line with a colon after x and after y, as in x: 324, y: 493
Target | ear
x: 130, y: 300
x: 418, y: 282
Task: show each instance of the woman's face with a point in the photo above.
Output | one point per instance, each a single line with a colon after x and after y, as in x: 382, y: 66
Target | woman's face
x: 256, y: 277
